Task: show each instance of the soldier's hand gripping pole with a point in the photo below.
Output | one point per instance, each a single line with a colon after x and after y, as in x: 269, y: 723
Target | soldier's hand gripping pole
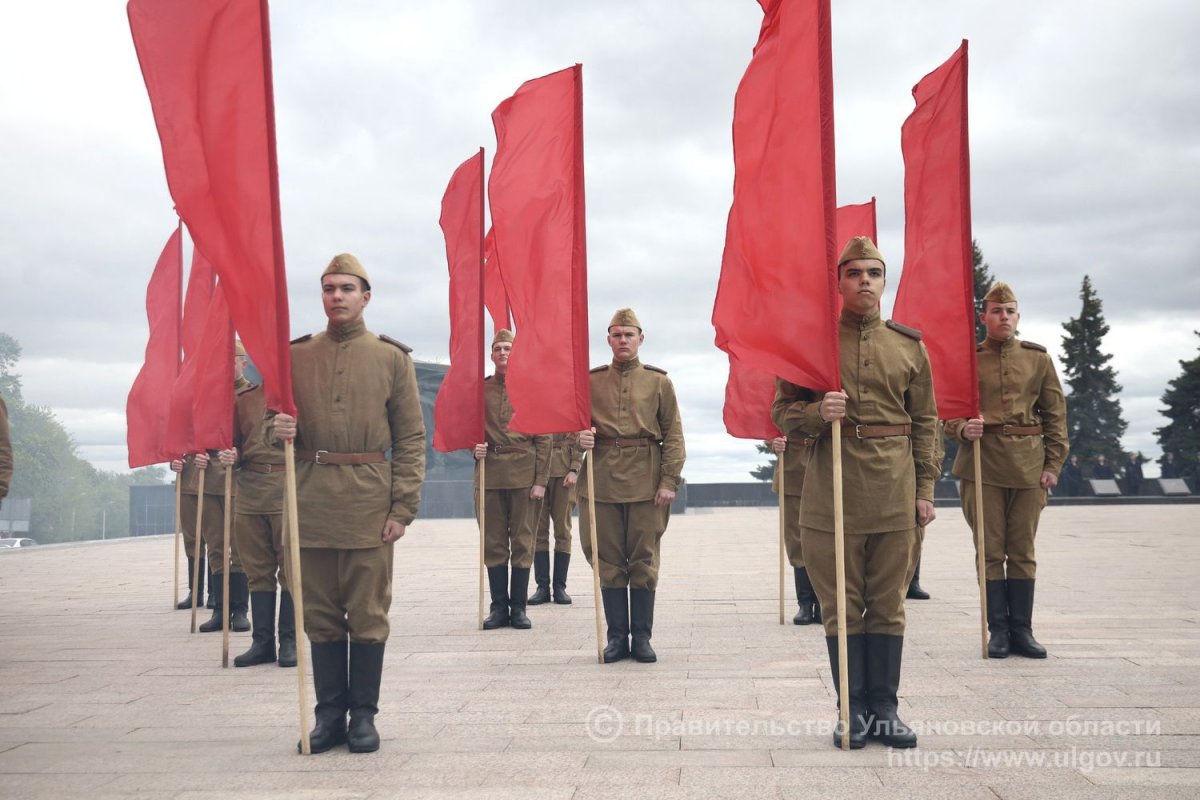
x: 296, y: 584
x: 591, y: 485
x: 226, y: 544
x: 782, y: 548
x: 479, y: 503
x: 839, y: 555
x: 178, y: 534
x: 199, y: 536
x: 980, y: 563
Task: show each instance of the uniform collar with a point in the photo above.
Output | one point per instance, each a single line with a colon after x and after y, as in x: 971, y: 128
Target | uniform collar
x: 997, y: 346
x: 860, y: 321
x: 500, y: 376
x: 625, y: 366
x: 344, y: 333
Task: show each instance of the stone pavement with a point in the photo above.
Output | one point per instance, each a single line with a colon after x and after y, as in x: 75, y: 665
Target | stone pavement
x: 104, y: 694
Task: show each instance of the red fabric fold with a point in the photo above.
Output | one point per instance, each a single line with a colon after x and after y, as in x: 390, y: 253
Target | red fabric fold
x: 856, y: 220
x: 494, y: 296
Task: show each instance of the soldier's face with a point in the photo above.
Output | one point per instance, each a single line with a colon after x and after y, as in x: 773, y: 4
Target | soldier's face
x: 861, y: 284
x: 500, y: 353
x: 344, y: 298
x: 1001, y: 320
x: 625, y: 341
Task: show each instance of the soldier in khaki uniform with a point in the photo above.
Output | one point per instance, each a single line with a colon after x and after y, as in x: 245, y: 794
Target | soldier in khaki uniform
x: 563, y: 475
x: 915, y: 592
x: 791, y: 460
x: 6, y: 459
x: 1022, y: 436
x: 638, y: 460
x: 357, y: 398
x: 516, y: 484
x: 258, y: 531
x: 214, y: 524
x: 889, y: 419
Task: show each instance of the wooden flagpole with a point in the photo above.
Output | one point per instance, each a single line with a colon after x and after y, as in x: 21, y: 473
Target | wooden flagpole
x: 782, y: 524
x: 178, y: 535
x: 225, y: 548
x: 980, y: 562
x: 591, y: 485
x: 199, y: 535
x: 297, y: 585
x: 481, y: 465
x: 839, y: 545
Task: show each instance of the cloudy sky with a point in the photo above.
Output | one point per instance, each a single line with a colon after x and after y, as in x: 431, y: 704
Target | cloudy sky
x: 1085, y: 147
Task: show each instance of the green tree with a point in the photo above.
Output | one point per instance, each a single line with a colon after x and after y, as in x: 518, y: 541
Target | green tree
x: 1181, y: 435
x: 764, y: 472
x: 983, y: 282
x: 1094, y: 421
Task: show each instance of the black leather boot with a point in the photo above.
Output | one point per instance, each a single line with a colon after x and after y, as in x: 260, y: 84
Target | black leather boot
x: 517, y: 599
x: 641, y: 624
x: 884, y: 654
x: 997, y: 619
x: 213, y: 590
x: 856, y: 657
x: 541, y: 576
x: 287, y: 630
x: 805, y: 598
x: 239, y: 602
x: 186, y: 602
x: 331, y: 684
x: 1020, y: 619
x: 498, y: 583
x: 616, y: 614
x: 262, y: 647
x: 562, y: 562
x: 915, y: 592
x: 213, y: 623
x: 366, y: 671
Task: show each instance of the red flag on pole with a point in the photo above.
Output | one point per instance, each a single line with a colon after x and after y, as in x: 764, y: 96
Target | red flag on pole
x: 148, y: 408
x: 776, y: 306
x: 494, y: 296
x: 937, y: 286
x: 181, y: 437
x: 207, y: 67
x: 856, y: 220
x: 458, y: 414
x: 537, y: 197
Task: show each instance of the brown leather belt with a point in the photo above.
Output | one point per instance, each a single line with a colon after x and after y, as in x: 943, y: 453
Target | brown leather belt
x: 265, y: 469
x: 874, y: 431
x: 500, y: 449
x: 340, y: 459
x: 621, y: 441
x: 1013, y: 430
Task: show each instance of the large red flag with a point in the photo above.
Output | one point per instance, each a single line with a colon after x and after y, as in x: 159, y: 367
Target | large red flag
x: 537, y: 198
x: 207, y: 66
x: 458, y: 415
x: 937, y: 287
x: 148, y: 408
x: 212, y: 382
x: 181, y: 436
x: 776, y: 307
x: 856, y: 220
x: 494, y: 296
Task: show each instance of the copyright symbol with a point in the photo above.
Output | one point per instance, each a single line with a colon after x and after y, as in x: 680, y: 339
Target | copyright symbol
x: 604, y: 724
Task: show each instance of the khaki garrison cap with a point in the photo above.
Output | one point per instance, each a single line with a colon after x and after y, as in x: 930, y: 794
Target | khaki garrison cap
x: 625, y: 318
x: 999, y: 293
x: 346, y: 264
x: 860, y: 247
x: 502, y: 335
x: 238, y: 350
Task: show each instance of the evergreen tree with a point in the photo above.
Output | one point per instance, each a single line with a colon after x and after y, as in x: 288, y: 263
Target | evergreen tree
x: 983, y: 282
x: 1094, y: 421
x: 766, y: 471
x: 1181, y: 435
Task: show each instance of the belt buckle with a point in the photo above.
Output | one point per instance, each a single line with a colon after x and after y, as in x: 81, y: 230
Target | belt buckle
x: 617, y: 443
x: 1004, y: 429
x: 317, y: 457
x: 858, y: 431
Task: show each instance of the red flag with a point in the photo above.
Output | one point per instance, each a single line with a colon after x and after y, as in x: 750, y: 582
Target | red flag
x: 458, y: 415
x: 494, y: 296
x: 937, y: 286
x: 207, y: 66
x: 537, y: 197
x: 749, y: 395
x: 776, y: 306
x: 147, y: 409
x: 856, y: 220
x: 181, y: 436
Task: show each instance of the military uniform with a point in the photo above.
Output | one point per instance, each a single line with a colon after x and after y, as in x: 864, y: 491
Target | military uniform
x: 357, y: 398
x: 888, y: 463
x: 915, y: 592
x: 515, y: 463
x: 6, y: 459
x: 639, y: 449
x: 1025, y: 434
x: 258, y: 533
x: 559, y: 502
x: 791, y: 465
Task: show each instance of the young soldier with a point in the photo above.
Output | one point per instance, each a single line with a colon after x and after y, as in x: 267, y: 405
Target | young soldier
x: 791, y: 460
x: 1022, y: 439
x: 638, y: 458
x: 889, y: 419
x: 516, y: 484
x: 557, y: 506
x: 356, y: 398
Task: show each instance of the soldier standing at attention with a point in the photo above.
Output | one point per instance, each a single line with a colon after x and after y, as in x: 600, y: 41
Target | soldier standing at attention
x: 791, y: 459
x: 356, y: 398
x: 1021, y: 434
x: 889, y: 420
x: 563, y: 473
x: 516, y: 484
x: 638, y: 461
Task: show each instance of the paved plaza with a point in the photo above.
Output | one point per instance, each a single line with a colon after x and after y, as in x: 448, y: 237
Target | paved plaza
x: 105, y: 694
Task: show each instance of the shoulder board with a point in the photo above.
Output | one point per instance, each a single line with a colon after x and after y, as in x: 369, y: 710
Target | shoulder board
x: 653, y: 368
x: 392, y: 341
x: 600, y: 369
x: 1033, y: 346
x: 911, y: 333
x: 303, y: 338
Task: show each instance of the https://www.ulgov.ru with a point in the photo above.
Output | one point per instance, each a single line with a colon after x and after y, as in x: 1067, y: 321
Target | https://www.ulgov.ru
x: 1076, y: 758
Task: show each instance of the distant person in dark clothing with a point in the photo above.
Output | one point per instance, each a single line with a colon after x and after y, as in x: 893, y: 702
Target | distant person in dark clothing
x: 1101, y: 468
x: 1133, y: 475
x: 1170, y: 469
x: 1071, y: 479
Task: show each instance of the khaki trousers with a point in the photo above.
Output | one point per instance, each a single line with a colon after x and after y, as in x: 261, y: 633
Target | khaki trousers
x: 187, y: 518
x: 628, y: 536
x: 1010, y: 520
x: 258, y: 539
x: 509, y: 519
x: 347, y: 593
x: 878, y: 569
x: 791, y: 531
x: 557, y: 507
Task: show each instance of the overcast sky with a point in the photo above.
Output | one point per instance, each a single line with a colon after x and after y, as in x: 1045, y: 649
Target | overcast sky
x: 1085, y: 151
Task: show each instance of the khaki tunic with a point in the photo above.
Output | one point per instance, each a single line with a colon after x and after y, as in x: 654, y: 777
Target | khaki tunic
x: 258, y: 514
x: 565, y: 456
x: 631, y: 401
x: 887, y: 379
x: 6, y: 458
x: 793, y: 463
x: 1018, y: 386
